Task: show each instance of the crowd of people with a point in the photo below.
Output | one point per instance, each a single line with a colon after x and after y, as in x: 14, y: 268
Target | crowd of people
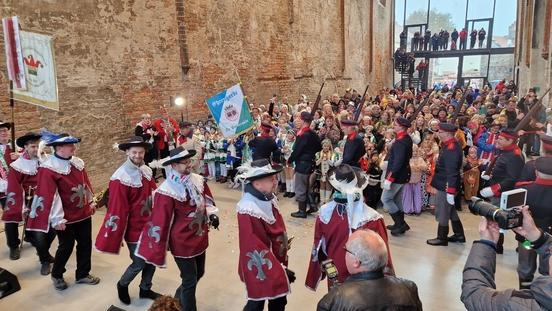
x: 341, y: 159
x: 440, y: 41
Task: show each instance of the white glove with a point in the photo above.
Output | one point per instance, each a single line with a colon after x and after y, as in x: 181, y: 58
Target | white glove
x: 484, y: 176
x: 450, y: 198
x: 487, y: 192
x: 387, y: 185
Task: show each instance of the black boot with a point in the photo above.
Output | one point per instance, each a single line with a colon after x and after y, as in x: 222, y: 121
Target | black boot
x: 525, y: 284
x: 458, y: 236
x: 395, y: 220
x: 500, y: 244
x: 313, y: 208
x: 286, y: 194
x: 124, y: 297
x: 149, y: 294
x: 441, y: 240
x: 15, y: 253
x: 291, y: 195
x: 302, y: 212
x: 401, y: 225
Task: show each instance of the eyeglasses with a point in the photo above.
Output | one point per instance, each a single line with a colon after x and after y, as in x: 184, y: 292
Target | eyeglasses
x: 348, y: 251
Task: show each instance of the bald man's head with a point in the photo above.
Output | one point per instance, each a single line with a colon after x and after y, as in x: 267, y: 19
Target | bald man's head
x: 366, y: 252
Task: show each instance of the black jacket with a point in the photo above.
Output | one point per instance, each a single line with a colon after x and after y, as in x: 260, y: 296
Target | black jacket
x: 353, y: 151
x: 372, y: 291
x: 448, y: 167
x: 398, y: 167
x: 304, y: 150
x: 264, y: 148
x: 539, y: 196
x: 506, y: 171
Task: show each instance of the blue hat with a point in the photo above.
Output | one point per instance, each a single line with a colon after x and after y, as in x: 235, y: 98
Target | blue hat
x: 53, y: 139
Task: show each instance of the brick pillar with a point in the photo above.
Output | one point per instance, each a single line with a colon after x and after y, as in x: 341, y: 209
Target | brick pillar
x: 184, y: 57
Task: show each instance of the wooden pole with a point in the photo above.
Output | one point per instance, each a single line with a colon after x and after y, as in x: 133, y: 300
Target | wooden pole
x: 12, y: 107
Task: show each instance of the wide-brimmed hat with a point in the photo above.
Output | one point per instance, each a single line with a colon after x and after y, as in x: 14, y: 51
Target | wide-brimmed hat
x: 5, y: 125
x: 134, y: 141
x: 53, y: 139
x: 178, y: 154
x: 257, y: 169
x: 22, y: 141
x: 347, y: 179
x: 403, y: 122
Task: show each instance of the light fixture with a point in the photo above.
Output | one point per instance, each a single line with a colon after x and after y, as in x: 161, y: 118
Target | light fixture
x: 179, y: 101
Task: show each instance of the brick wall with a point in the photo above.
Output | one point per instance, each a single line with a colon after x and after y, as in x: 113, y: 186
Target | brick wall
x: 118, y: 59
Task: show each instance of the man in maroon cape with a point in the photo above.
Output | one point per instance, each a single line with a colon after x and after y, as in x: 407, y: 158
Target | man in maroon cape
x: 339, y: 218
x: 183, y: 209
x: 63, y: 201
x: 263, y: 239
x: 128, y: 210
x: 22, y: 180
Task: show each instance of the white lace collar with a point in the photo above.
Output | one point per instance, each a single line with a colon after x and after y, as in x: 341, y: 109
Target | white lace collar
x: 178, y: 188
x: 358, y: 214
x: 252, y: 206
x: 62, y: 166
x: 131, y: 175
x: 25, y: 166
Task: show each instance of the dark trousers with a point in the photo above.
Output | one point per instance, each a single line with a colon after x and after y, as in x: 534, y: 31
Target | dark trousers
x: 80, y: 232
x: 138, y: 265
x: 42, y: 242
x: 527, y: 264
x: 191, y: 270
x: 278, y: 304
x: 372, y: 195
x: 12, y: 234
x: 445, y: 211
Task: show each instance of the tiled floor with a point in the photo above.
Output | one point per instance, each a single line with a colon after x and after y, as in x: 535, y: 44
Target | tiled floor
x: 436, y: 270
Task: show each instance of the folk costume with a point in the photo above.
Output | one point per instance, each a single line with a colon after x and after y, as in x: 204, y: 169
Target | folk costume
x: 183, y: 208
x: 128, y: 210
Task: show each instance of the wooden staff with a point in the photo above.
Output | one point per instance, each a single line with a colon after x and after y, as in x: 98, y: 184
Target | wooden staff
x: 531, y: 113
x: 361, y: 104
x: 318, y: 98
x: 12, y: 106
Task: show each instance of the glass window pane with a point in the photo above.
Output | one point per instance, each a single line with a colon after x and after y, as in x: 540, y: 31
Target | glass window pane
x: 480, y: 9
x: 475, y: 66
x: 399, y: 18
x: 443, y: 71
x: 447, y: 16
x: 416, y: 11
x: 501, y: 67
x: 504, y: 27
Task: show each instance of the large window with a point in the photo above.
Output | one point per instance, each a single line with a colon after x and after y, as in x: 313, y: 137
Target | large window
x: 488, y: 57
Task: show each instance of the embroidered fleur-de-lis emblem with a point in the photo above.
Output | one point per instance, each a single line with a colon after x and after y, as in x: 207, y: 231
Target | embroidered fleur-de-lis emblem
x: 146, y: 206
x: 111, y: 223
x: 10, y: 200
x: 199, y: 220
x: 257, y: 260
x: 153, y: 233
x: 38, y: 203
x: 283, y: 239
x: 80, y: 193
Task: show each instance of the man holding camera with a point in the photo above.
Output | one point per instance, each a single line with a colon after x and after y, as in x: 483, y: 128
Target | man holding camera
x: 183, y: 209
x: 263, y: 239
x: 503, y: 171
x: 539, y: 196
x: 447, y: 182
x: 368, y: 288
x: 478, y: 286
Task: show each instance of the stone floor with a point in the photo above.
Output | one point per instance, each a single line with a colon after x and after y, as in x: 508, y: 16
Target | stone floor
x: 436, y: 270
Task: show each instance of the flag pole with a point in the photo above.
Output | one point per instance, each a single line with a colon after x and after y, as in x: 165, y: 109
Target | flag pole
x: 12, y: 107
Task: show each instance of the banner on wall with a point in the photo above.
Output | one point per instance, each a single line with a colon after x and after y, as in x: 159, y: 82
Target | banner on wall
x: 40, y: 71
x: 230, y: 111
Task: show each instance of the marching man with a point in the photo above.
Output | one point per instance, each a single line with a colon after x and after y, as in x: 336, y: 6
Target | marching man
x: 338, y: 219
x: 263, y: 239
x: 6, y: 157
x: 183, y: 208
x: 128, y: 210
x: 22, y: 179
x: 63, y: 200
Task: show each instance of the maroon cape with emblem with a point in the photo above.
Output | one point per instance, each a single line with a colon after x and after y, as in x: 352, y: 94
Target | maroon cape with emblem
x: 177, y: 224
x: 329, y: 242
x: 128, y: 210
x: 75, y: 193
x: 263, y: 255
x: 18, y: 183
